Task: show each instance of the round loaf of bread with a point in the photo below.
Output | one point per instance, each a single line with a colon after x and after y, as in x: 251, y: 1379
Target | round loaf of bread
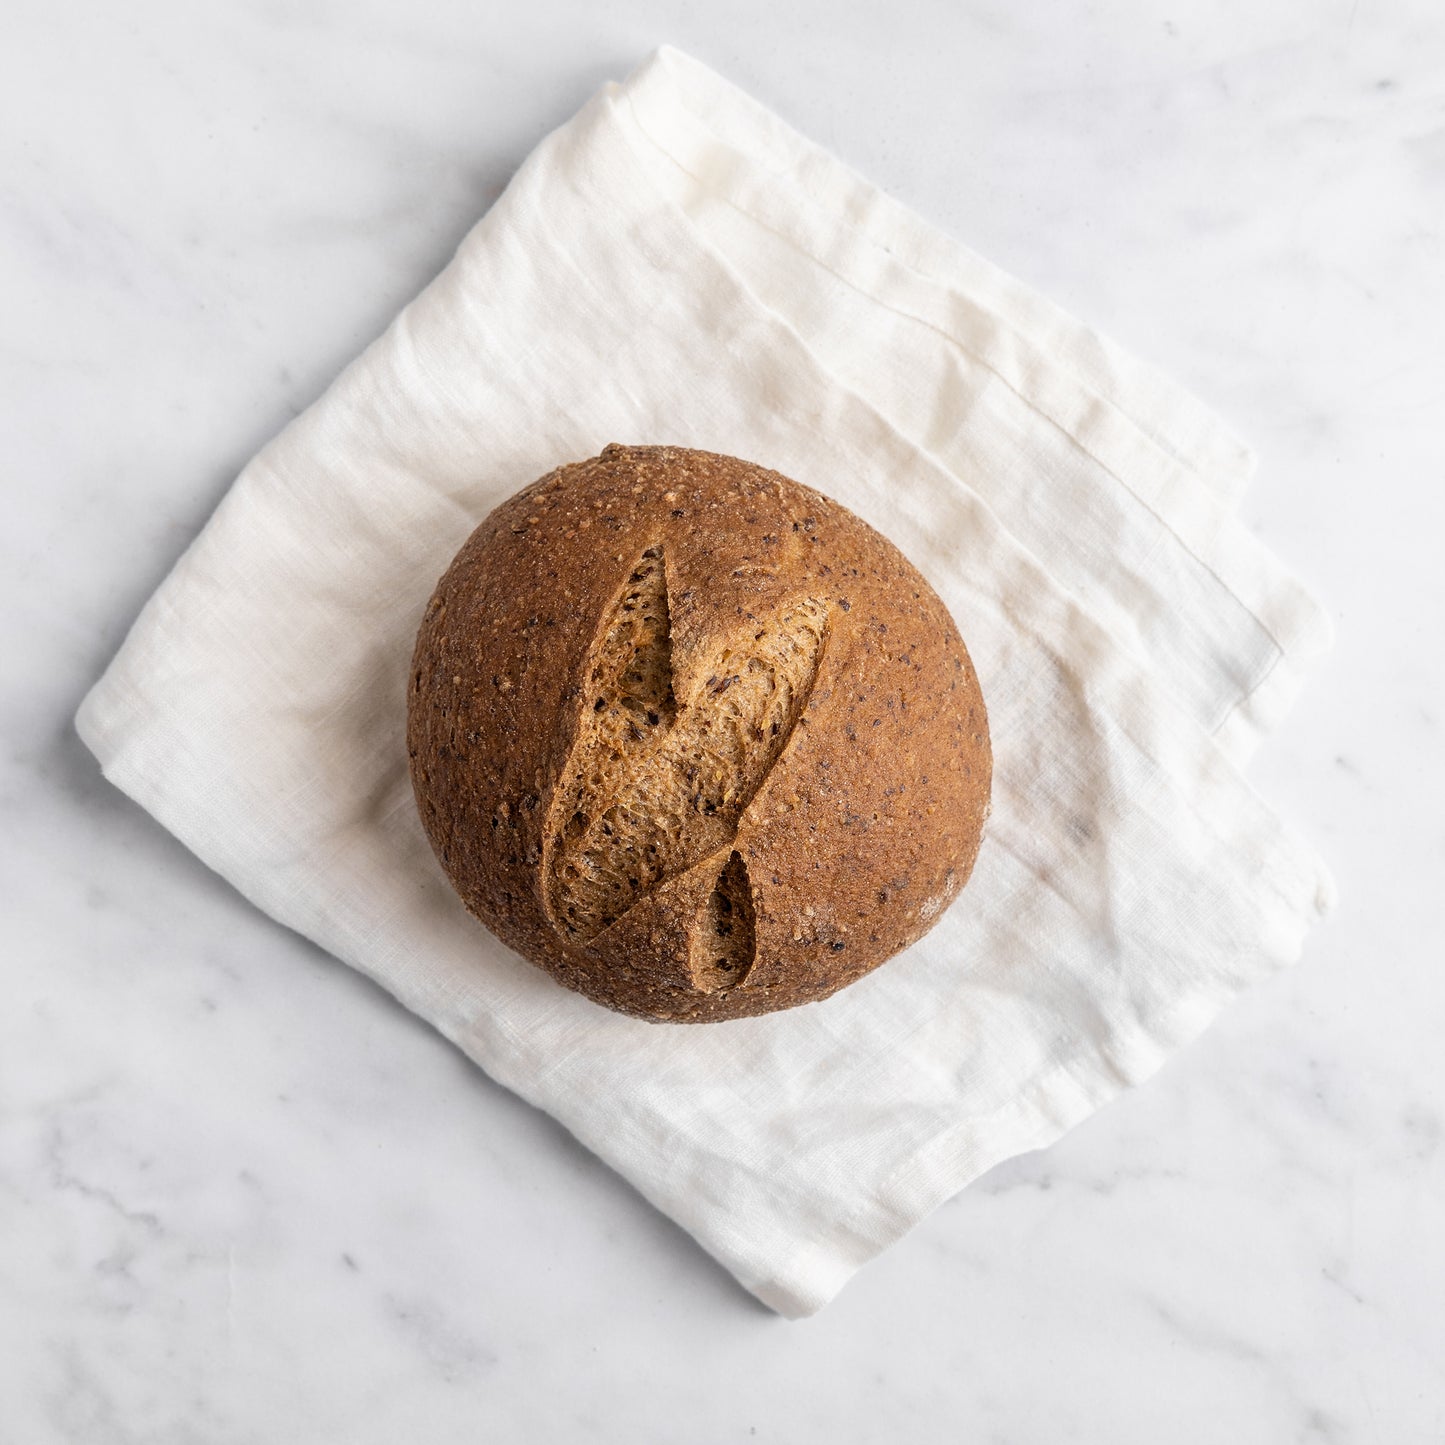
x: 694, y: 738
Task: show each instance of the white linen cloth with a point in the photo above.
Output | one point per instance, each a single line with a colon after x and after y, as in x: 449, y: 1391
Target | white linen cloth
x: 676, y: 265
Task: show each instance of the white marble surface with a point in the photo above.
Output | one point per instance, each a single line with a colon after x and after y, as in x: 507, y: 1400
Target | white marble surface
x: 244, y: 1197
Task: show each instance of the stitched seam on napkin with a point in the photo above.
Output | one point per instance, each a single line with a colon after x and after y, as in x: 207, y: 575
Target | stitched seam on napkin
x: 952, y: 340
x: 736, y: 195
x: 777, y: 150
x: 1244, y: 705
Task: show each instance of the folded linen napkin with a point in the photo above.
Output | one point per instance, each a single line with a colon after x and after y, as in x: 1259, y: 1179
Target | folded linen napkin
x: 676, y: 265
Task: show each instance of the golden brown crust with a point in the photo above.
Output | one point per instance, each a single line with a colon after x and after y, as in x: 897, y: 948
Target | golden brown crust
x: 694, y: 738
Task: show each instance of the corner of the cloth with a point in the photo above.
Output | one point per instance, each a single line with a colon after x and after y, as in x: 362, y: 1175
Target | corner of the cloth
x: 89, y: 720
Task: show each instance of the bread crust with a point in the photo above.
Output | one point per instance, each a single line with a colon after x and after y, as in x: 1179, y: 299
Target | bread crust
x: 694, y: 738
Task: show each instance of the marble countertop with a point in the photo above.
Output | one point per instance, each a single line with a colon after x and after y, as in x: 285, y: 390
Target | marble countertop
x: 245, y: 1197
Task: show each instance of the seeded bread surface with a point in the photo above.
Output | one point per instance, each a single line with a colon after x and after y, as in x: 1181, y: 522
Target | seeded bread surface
x: 694, y: 738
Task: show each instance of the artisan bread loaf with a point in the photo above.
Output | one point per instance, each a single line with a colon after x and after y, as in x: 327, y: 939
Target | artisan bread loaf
x: 694, y: 738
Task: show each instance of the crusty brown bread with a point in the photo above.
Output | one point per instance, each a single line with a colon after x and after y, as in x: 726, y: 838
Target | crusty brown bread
x: 694, y: 738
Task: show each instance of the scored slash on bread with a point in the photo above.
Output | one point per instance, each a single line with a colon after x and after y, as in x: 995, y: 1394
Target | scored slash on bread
x: 669, y: 753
